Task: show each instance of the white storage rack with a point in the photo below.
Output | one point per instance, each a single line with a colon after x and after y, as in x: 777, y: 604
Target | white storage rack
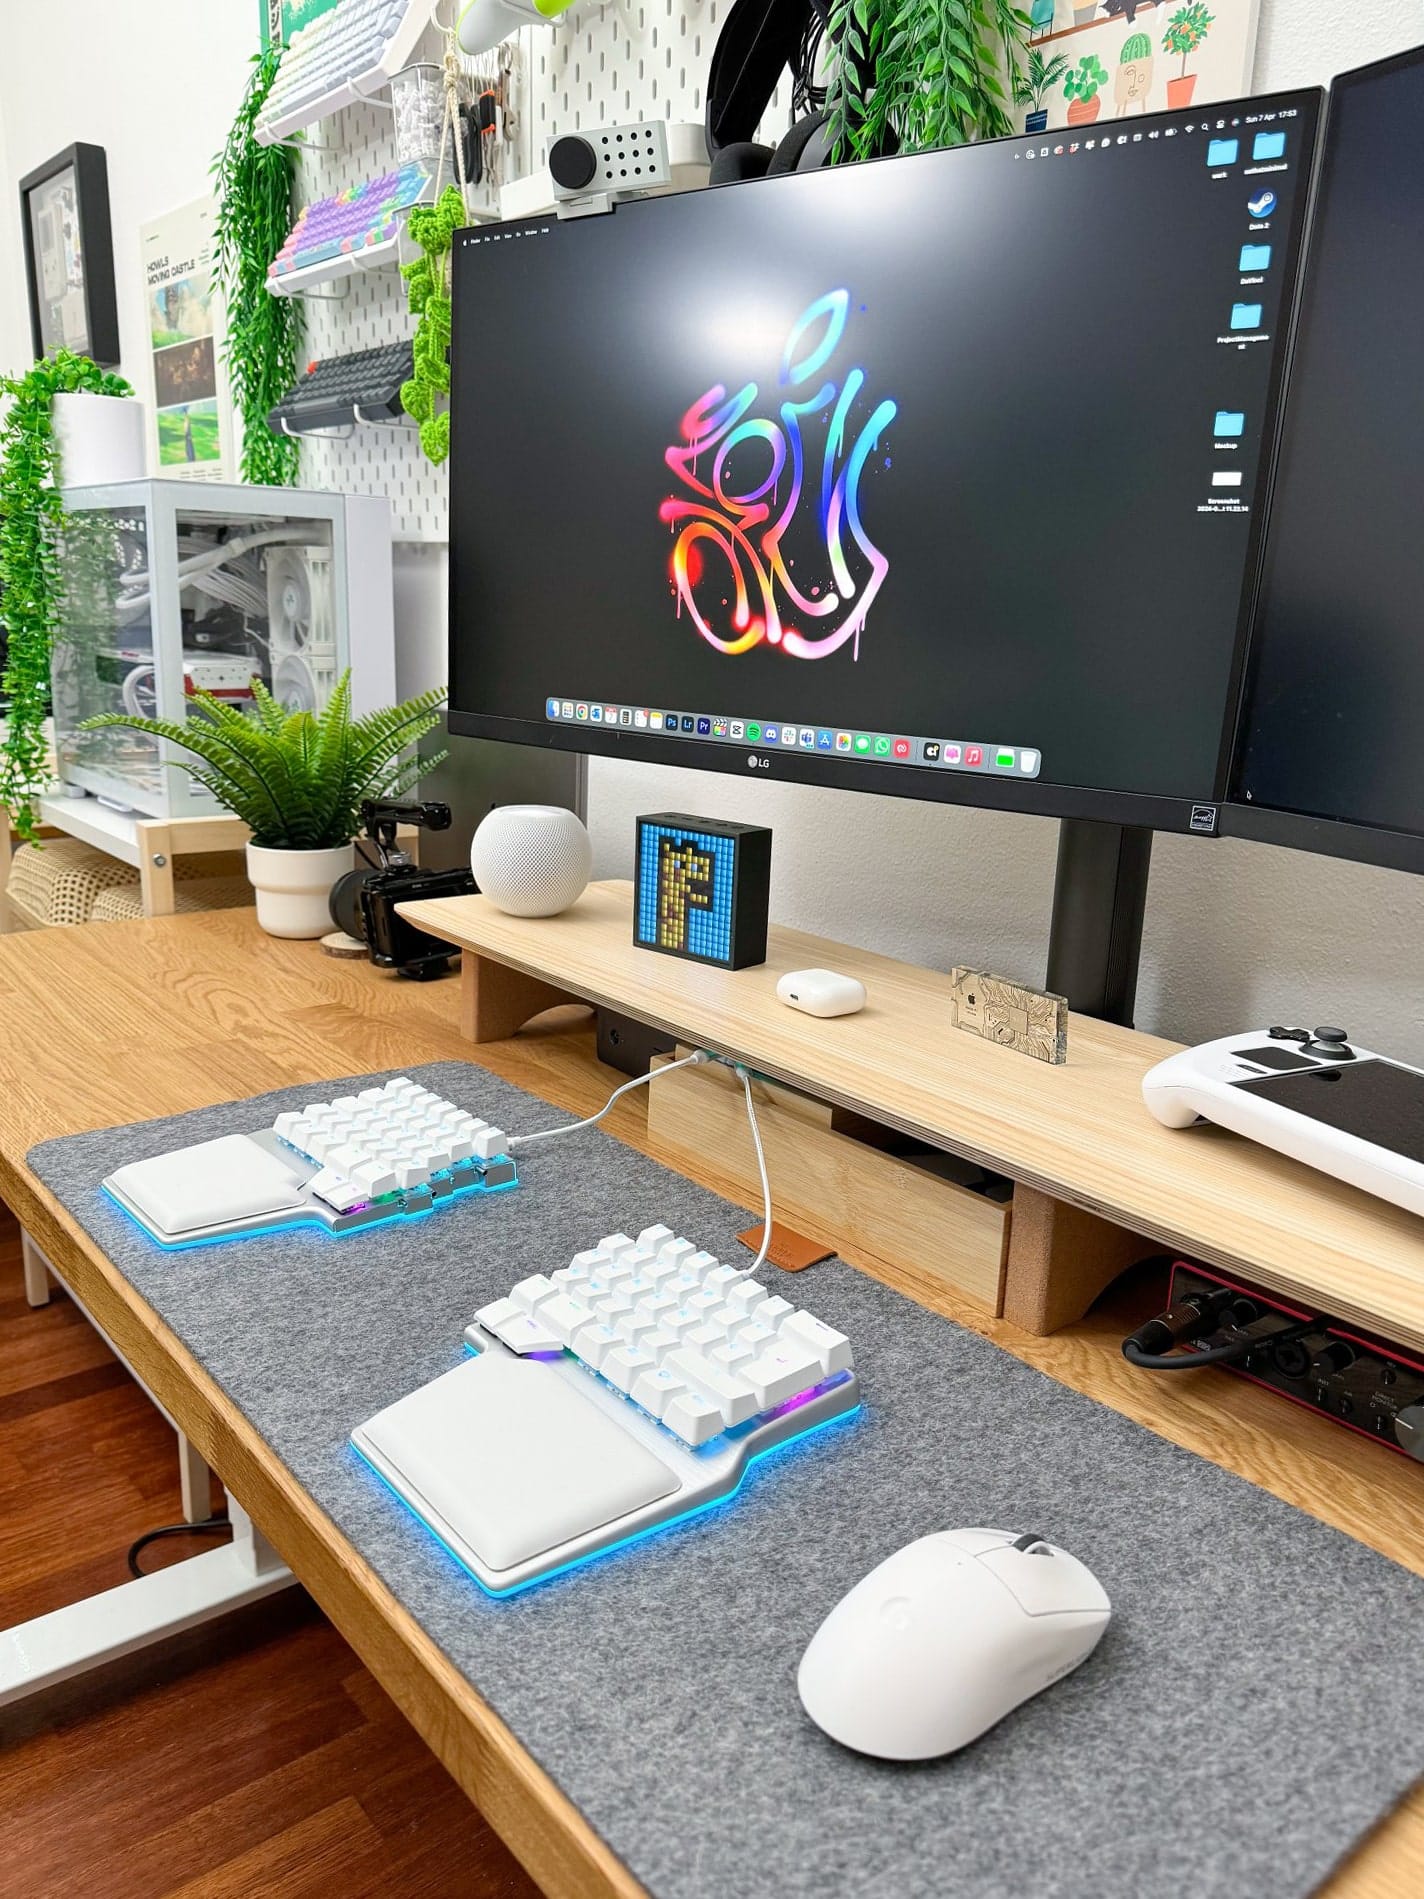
x: 600, y: 65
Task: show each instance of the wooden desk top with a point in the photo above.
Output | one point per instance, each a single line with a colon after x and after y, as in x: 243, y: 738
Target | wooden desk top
x: 1078, y: 1132
x: 122, y: 1021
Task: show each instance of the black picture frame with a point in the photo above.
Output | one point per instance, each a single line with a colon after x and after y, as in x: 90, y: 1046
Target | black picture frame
x: 42, y: 192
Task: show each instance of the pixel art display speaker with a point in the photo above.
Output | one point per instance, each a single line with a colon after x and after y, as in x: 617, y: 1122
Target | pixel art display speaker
x: 703, y: 889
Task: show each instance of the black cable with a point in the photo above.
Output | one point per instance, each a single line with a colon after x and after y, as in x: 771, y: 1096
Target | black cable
x: 1218, y: 1354
x: 209, y: 1526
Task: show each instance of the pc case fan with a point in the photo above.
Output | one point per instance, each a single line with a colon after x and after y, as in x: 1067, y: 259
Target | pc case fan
x: 302, y: 626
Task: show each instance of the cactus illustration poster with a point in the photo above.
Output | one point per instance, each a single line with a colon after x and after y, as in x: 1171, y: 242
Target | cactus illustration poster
x: 1088, y: 60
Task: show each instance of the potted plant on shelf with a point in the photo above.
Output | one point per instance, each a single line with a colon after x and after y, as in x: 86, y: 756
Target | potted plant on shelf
x: 1082, y: 86
x: 43, y: 430
x: 297, y: 779
x: 1084, y: 12
x: 1032, y: 84
x: 1186, y: 30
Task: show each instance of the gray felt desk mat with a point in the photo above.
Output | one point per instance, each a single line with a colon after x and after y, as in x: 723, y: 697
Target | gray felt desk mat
x: 1252, y: 1710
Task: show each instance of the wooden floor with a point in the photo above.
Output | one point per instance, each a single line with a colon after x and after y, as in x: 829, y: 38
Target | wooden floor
x: 255, y: 1757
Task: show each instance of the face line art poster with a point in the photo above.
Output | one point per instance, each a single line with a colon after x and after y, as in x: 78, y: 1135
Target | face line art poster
x: 191, y: 413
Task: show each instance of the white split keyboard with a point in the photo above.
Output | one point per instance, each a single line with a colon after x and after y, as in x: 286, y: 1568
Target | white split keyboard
x: 345, y: 54
x: 631, y: 1387
x: 392, y: 1150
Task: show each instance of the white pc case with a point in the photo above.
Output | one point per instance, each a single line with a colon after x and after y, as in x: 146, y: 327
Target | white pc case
x: 172, y: 587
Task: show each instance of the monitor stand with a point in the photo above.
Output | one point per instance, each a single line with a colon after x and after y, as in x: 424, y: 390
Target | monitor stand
x: 1099, y: 896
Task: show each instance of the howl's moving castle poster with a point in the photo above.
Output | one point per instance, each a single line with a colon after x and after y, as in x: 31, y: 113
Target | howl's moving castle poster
x: 1113, y: 59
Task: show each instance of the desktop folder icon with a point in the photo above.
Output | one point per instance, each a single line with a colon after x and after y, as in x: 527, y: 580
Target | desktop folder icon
x: 1245, y: 316
x: 1255, y: 257
x: 1269, y: 145
x: 1230, y: 422
x: 1222, y: 151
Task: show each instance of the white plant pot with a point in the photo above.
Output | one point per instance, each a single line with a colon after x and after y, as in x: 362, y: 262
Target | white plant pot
x: 294, y: 887
x: 100, y: 439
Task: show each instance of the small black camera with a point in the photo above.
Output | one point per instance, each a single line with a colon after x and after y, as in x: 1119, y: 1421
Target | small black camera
x: 363, y: 902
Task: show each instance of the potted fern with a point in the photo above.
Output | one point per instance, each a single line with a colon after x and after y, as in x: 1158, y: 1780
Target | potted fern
x: 297, y: 779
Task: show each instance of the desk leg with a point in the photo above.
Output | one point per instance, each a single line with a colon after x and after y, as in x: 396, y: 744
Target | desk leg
x: 495, y: 1000
x: 195, y: 1483
x: 1060, y: 1259
x: 53, y: 1648
x: 155, y: 869
x: 36, y: 1278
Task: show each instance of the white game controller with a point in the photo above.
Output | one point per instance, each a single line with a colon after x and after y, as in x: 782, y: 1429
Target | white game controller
x: 1311, y: 1094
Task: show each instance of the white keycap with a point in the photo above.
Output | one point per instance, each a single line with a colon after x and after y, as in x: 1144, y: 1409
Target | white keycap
x: 636, y: 1259
x: 490, y: 1143
x: 489, y: 1316
x: 703, y: 1303
x: 680, y: 1321
x: 755, y: 1334
x: 746, y: 1296
x: 772, y: 1311
x: 345, y: 1104
x: 623, y: 1365
x: 720, y: 1278
x: 437, y: 1158
x: 693, y: 1418
x: 659, y: 1274
x: 684, y: 1283
x: 285, y: 1123
x: 705, y: 1335
x: 461, y: 1147
x: 529, y: 1292
x: 653, y: 1236
x: 729, y: 1391
x: 402, y: 1087
x: 615, y: 1244
x: 410, y: 1171
x: 565, y: 1316
x: 337, y: 1191
x: 375, y: 1177
x: 782, y: 1370
x: 659, y: 1343
x: 656, y: 1389
x: 654, y: 1304
x: 570, y: 1277
x: 632, y: 1326
x: 590, y: 1257
x: 317, y: 1144
x: 372, y: 1094
x: 676, y: 1252
x: 701, y: 1263
x: 831, y: 1348
x: 595, y: 1342
x: 346, y: 1158
x: 525, y: 1333
x: 731, y: 1355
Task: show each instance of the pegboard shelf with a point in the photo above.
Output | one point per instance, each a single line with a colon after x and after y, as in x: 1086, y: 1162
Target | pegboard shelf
x: 396, y: 51
x: 386, y: 255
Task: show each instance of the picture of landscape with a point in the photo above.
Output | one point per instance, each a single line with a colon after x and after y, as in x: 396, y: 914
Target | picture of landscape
x: 189, y: 401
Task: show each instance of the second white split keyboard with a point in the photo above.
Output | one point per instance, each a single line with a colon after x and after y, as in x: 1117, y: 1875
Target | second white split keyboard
x: 695, y: 1343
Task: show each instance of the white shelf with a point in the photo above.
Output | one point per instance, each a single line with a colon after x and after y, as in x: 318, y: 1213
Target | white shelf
x: 390, y: 252
x: 113, y: 832
x: 399, y: 52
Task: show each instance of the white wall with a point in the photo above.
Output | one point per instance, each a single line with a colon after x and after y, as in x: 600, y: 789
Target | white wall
x: 1236, y: 934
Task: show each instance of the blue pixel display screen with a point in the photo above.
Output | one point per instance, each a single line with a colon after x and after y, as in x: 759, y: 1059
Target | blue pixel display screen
x: 686, y: 879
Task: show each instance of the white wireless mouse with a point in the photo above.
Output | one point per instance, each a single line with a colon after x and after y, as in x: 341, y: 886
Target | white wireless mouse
x: 821, y: 992
x: 945, y: 1638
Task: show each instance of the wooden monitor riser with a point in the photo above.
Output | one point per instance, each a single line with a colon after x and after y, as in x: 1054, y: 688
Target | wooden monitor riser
x: 1095, y: 1174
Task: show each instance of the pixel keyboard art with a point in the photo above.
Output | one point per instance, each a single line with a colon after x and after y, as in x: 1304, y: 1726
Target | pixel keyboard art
x: 750, y: 490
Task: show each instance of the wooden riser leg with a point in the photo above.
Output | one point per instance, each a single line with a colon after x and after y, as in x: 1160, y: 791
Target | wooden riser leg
x: 496, y: 1001
x: 1060, y: 1259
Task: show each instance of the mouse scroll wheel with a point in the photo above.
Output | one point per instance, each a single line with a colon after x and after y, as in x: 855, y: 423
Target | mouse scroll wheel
x: 1035, y: 1545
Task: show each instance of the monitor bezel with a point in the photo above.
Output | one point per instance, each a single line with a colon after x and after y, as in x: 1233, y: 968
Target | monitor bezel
x: 1037, y: 797
x: 1319, y: 834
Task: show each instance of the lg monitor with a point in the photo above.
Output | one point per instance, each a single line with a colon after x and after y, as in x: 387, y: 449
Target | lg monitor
x: 1330, y: 757
x: 941, y: 476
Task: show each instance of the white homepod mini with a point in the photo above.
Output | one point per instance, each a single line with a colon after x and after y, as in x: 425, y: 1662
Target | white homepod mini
x: 531, y: 860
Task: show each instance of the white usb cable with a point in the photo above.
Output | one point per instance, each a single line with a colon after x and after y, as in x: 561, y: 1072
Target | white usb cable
x: 698, y: 1056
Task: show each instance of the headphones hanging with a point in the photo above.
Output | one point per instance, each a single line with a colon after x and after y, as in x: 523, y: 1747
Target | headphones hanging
x: 759, y: 41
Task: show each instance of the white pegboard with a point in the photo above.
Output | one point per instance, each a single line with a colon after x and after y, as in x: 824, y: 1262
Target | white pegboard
x: 609, y: 64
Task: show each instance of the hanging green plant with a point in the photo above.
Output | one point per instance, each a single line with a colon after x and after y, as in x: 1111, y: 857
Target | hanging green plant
x: 427, y: 277
x: 254, y: 191
x: 31, y: 589
x: 914, y: 75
